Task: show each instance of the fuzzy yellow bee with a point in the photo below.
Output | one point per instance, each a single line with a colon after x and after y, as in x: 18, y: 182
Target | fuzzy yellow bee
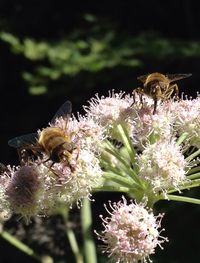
x: 159, y: 86
x: 54, y: 141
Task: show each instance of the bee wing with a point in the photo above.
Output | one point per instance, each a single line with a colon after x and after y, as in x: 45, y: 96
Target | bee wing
x: 174, y: 77
x: 143, y: 78
x: 23, y: 140
x: 64, y: 111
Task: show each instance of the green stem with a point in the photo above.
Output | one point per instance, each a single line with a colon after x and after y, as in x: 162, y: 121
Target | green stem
x: 182, y: 138
x: 109, y: 188
x: 74, y: 245
x: 183, y: 199
x: 188, y: 185
x: 134, y: 176
x: 71, y: 236
x: 86, y: 220
x: 21, y: 246
x: 126, y: 165
x: 194, y: 176
x: 193, y: 155
x: 108, y: 166
x: 193, y: 170
x: 127, y: 142
x: 128, y: 182
x: 118, y: 157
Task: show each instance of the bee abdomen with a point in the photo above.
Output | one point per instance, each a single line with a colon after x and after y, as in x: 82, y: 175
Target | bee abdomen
x: 50, y: 138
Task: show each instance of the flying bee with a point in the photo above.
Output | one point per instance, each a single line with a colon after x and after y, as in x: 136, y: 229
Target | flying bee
x: 54, y: 141
x: 158, y: 86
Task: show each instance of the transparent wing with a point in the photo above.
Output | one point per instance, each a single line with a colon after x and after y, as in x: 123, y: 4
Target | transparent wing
x: 175, y: 77
x: 143, y: 78
x: 23, y: 140
x: 64, y: 111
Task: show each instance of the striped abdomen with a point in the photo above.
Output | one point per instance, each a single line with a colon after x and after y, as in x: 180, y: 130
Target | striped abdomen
x: 54, y: 142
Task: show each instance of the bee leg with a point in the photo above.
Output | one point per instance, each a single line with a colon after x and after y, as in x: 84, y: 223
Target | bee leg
x: 52, y: 170
x: 134, y: 92
x: 23, y: 156
x: 139, y: 91
x: 50, y: 166
x: 48, y: 159
x: 172, y: 89
x: 141, y: 100
x: 78, y: 148
x: 134, y: 101
x: 154, y: 106
x: 176, y: 90
x: 68, y: 156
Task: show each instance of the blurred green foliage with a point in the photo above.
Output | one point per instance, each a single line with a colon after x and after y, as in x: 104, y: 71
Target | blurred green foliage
x: 92, y: 52
x: 68, y: 56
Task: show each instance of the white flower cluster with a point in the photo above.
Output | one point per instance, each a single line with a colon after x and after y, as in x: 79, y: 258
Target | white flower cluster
x: 130, y: 232
x: 187, y: 119
x: 120, y: 138
x: 38, y: 186
x: 160, y: 160
x: 111, y: 111
x: 162, y: 165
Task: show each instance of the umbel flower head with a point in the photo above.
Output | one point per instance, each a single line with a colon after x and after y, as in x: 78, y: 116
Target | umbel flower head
x: 23, y: 190
x: 187, y: 119
x: 111, y: 111
x: 131, y: 232
x: 162, y: 165
x: 27, y: 190
x: 148, y: 126
x: 72, y: 185
x: 38, y: 186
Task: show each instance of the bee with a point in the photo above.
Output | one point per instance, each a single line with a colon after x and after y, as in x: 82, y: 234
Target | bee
x: 54, y: 141
x: 158, y: 86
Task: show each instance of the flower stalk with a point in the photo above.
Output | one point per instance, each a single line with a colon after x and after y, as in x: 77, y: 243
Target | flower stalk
x: 71, y: 236
x: 193, y: 155
x: 183, y: 199
x: 20, y: 245
x: 74, y: 245
x: 86, y: 220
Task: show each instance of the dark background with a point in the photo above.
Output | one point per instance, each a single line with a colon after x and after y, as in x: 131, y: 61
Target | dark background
x: 51, y: 51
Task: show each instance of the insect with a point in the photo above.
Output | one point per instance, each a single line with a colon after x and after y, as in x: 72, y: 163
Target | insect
x: 158, y: 86
x: 53, y: 141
